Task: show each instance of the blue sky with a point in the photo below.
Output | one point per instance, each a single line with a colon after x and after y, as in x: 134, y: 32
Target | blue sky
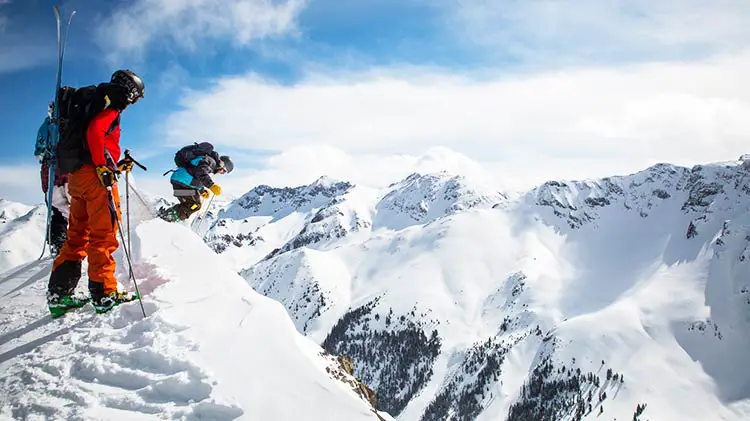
x: 297, y: 88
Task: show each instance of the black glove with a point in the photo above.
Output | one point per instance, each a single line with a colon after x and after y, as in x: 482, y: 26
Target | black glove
x: 106, y: 176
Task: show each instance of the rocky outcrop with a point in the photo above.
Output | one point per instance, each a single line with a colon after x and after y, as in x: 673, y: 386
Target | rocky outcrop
x: 342, y: 369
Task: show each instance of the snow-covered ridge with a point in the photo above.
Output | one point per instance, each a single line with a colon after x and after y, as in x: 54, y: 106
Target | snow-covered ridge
x: 279, y: 202
x: 21, y: 233
x: 581, y: 202
x: 209, y: 348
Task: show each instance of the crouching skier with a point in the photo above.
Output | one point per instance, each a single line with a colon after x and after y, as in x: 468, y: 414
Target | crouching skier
x: 192, y: 179
x: 88, y: 149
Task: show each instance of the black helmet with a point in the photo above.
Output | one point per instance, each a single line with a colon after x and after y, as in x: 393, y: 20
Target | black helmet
x: 132, y: 82
x: 226, y: 163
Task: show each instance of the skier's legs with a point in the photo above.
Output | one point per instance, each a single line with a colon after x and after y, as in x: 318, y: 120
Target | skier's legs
x: 61, y: 199
x: 103, y: 232
x: 66, y: 269
x: 58, y: 230
x: 60, y: 214
x: 188, y: 205
x: 189, y: 202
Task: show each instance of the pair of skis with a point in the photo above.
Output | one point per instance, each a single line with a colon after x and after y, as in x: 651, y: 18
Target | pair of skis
x: 62, y: 41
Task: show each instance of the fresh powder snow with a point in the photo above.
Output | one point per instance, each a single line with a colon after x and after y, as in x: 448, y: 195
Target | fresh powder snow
x: 209, y: 348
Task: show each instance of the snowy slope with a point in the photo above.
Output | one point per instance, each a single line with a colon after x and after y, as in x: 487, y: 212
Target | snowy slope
x: 21, y: 233
x: 209, y: 348
x: 458, y: 304
x: 265, y: 218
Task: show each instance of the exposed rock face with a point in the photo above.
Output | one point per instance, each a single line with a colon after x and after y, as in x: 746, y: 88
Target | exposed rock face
x: 343, y: 370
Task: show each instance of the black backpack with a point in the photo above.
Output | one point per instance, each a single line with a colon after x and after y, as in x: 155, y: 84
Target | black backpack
x: 184, y: 156
x: 77, y: 106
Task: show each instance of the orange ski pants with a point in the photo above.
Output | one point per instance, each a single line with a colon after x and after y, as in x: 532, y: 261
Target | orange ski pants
x: 92, y: 232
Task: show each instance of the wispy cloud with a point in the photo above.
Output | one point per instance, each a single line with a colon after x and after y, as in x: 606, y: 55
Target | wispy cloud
x: 21, y: 47
x: 682, y: 112
x: 556, y: 31
x: 21, y: 183
x: 184, y: 24
x: 4, y: 20
x: 22, y: 51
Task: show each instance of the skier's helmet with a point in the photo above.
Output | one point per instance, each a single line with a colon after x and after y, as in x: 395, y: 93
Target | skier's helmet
x: 226, y: 163
x: 131, y: 81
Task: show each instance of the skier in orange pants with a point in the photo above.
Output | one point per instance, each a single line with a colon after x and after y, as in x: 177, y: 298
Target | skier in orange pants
x: 95, y: 205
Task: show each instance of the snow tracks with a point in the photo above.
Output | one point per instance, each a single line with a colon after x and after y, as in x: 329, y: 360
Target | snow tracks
x: 87, y: 366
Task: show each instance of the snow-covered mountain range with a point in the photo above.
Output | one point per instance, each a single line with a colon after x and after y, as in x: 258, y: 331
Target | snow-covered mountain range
x: 574, y: 299
x: 626, y: 297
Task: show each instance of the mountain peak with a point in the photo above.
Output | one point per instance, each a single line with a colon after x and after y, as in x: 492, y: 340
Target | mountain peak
x: 420, y: 198
x: 325, y: 181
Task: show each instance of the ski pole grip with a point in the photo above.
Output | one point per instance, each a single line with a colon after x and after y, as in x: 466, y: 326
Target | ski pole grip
x: 127, y: 155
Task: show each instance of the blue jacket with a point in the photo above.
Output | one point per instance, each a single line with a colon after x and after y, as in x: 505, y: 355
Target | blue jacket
x: 43, y: 136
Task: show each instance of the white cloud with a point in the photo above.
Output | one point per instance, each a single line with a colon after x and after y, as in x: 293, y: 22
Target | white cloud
x: 184, y: 23
x: 682, y: 112
x: 19, y: 54
x: 554, y: 31
x: 21, y: 183
x: 20, y: 46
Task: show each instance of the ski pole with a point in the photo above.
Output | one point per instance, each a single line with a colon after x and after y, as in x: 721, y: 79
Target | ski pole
x: 113, y: 210
x: 127, y: 209
x: 208, y: 208
x: 48, y: 200
x: 127, y: 189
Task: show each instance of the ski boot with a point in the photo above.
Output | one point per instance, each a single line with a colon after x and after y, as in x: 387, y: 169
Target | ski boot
x: 106, y: 303
x: 58, y: 305
x: 169, y: 215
